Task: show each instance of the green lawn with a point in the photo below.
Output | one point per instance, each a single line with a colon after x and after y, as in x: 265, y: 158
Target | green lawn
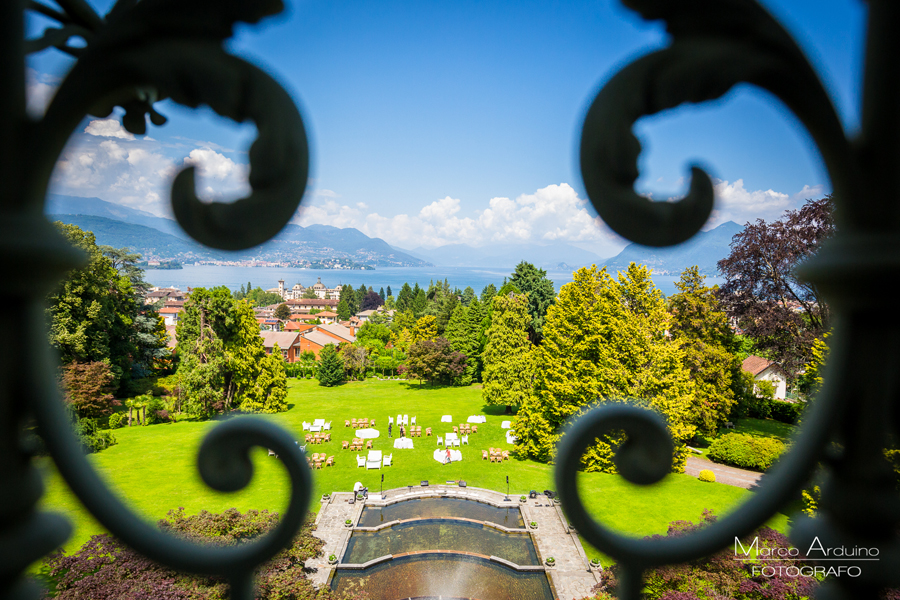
x: 153, y: 467
x: 763, y: 428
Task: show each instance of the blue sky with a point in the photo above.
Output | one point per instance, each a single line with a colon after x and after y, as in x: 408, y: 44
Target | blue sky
x: 443, y: 122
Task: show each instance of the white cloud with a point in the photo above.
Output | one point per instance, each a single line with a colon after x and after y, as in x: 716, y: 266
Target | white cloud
x: 108, y: 128
x: 107, y: 162
x: 39, y: 91
x: 736, y: 203
x: 551, y: 213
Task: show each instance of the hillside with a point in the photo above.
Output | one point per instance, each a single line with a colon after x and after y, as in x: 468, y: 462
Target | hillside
x: 318, y: 246
x: 704, y: 250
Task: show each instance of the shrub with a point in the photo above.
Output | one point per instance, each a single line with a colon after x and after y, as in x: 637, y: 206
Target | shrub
x: 106, y: 569
x: 746, y: 451
x: 92, y: 437
x: 720, y: 575
x: 786, y: 412
x: 117, y: 420
x: 707, y: 475
x: 157, y: 412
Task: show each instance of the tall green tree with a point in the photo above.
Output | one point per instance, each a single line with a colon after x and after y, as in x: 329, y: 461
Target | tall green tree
x: 701, y: 326
x: 419, y: 302
x: 331, y: 367
x: 605, y: 340
x: 96, y: 314
x: 533, y: 282
x: 404, y: 297
x: 507, y: 356
x: 343, y: 310
x: 464, y: 333
x: 283, y: 312
x: 201, y: 374
x: 268, y: 391
x: 349, y: 296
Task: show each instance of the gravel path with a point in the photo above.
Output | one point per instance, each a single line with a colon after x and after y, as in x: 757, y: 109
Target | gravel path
x: 727, y: 475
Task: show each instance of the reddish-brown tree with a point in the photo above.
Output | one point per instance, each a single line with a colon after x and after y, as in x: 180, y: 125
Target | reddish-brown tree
x: 783, y: 314
x: 88, y: 388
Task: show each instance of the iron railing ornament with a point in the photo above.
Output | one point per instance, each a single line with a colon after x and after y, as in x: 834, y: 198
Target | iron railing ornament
x: 715, y: 45
x: 139, y: 53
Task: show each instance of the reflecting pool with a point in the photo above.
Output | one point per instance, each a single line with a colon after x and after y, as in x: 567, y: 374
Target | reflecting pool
x: 440, y: 534
x: 427, y: 508
x: 446, y: 575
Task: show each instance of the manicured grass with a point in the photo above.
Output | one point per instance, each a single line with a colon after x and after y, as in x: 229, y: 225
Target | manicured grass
x: 763, y: 427
x: 154, y: 467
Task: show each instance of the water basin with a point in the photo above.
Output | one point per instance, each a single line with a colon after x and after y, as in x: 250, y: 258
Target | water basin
x: 440, y: 534
x: 427, y: 508
x: 443, y: 575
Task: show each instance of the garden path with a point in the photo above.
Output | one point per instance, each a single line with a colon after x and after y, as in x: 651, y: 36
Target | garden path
x: 727, y: 475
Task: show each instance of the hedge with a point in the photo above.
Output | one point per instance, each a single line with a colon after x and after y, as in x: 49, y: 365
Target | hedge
x: 745, y: 451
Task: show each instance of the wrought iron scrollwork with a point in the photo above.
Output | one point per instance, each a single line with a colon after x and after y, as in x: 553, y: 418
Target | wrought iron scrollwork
x: 717, y: 44
x: 138, y: 54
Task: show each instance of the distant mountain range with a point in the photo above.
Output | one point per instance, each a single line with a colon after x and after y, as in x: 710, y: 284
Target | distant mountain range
x: 506, y: 255
x: 704, y: 250
x: 324, y: 246
x: 317, y: 245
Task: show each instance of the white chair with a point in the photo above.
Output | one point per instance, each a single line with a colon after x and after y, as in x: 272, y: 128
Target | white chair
x: 399, y: 419
x: 302, y: 448
x: 360, y: 461
x: 406, y: 420
x: 390, y: 420
x: 413, y: 420
x: 387, y: 460
x: 327, y: 426
x: 465, y: 440
x: 305, y: 426
x: 272, y: 453
x: 440, y: 441
x: 455, y: 443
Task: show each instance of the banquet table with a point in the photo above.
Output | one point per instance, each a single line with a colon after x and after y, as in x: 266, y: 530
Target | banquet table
x: 505, y: 424
x: 477, y: 419
x: 441, y: 455
x: 367, y: 434
x: 403, y: 443
x: 446, y: 419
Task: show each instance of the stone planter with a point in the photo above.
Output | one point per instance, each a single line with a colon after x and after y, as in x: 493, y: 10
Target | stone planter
x: 532, y: 525
x: 523, y: 499
x: 332, y: 560
x: 595, y: 564
x: 348, y: 523
x: 550, y: 562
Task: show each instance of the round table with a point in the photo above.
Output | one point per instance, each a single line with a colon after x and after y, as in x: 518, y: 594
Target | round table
x: 367, y: 434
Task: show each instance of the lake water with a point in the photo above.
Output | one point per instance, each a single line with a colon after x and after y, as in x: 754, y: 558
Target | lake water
x: 267, y: 277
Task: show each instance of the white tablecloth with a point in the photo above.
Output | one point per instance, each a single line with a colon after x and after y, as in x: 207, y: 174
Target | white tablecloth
x: 477, y: 419
x: 441, y: 455
x: 446, y: 419
x: 511, y: 437
x: 505, y: 425
x: 367, y: 433
x: 406, y: 443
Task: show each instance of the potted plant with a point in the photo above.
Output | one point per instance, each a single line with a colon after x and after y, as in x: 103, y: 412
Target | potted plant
x: 348, y: 523
x: 523, y: 499
x: 332, y: 559
x: 326, y: 497
x: 360, y: 497
x: 533, y: 524
x: 550, y: 561
x: 556, y: 500
x: 595, y: 563
x: 572, y: 529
